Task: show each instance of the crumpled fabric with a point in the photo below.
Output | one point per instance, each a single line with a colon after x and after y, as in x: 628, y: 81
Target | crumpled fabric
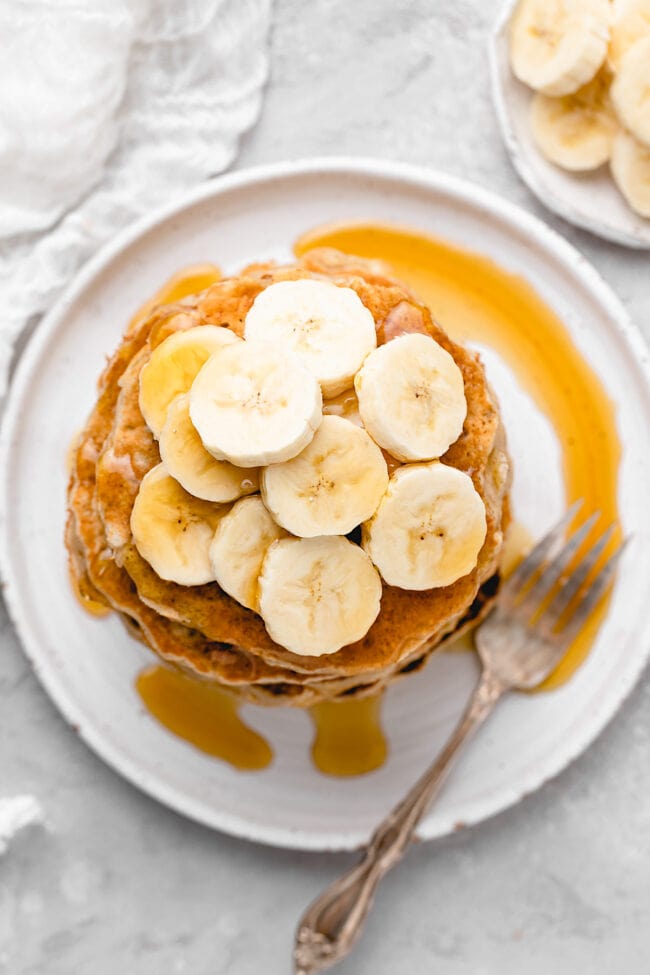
x: 16, y: 813
x: 108, y: 109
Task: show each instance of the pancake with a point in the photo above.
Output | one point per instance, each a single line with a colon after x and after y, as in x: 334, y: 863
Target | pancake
x: 202, y: 629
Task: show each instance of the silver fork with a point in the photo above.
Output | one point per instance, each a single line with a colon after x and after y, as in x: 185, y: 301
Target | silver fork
x: 519, y: 644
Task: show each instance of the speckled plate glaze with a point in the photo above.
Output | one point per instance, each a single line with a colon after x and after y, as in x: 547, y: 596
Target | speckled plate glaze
x: 588, y: 200
x: 88, y: 666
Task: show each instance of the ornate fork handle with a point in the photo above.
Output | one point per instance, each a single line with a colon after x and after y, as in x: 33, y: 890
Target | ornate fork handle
x: 334, y: 921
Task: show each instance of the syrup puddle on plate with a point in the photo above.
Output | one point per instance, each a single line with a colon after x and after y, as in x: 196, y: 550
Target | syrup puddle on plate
x: 477, y: 302
x: 348, y: 738
x: 203, y: 714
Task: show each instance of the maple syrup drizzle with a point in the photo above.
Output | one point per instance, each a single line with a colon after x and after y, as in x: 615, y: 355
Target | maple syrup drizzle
x: 474, y: 300
x: 86, y: 597
x: 204, y: 715
x: 345, y: 405
x: 348, y: 739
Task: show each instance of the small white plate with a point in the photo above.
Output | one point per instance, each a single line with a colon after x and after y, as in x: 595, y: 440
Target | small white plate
x: 589, y: 200
x: 88, y: 666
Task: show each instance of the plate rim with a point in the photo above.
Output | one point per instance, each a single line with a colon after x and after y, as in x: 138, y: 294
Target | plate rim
x: 541, y: 192
x: 483, y: 200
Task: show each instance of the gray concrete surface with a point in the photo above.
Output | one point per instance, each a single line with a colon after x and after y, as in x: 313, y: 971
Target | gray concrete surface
x: 559, y: 884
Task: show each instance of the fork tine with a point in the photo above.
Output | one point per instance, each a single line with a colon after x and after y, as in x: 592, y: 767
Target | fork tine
x: 591, y: 597
x: 535, y: 559
x: 555, y: 569
x: 575, y: 581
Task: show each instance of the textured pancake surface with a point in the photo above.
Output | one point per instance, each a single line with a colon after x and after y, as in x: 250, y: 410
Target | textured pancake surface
x: 201, y: 628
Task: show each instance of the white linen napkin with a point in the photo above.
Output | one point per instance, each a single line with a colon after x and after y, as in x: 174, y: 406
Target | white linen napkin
x: 16, y: 813
x: 109, y: 108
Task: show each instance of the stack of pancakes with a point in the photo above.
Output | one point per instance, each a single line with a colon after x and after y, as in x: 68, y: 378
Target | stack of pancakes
x: 200, y: 628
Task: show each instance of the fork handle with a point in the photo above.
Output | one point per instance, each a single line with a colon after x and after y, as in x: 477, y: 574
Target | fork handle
x: 331, y: 925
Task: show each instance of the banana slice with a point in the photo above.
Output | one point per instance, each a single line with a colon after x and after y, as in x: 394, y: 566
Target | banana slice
x: 239, y: 546
x: 556, y: 46
x: 429, y: 528
x: 412, y: 397
x: 630, y: 165
x: 630, y: 91
x: 318, y: 594
x: 328, y: 327
x: 172, y: 367
x: 332, y: 486
x: 630, y: 23
x: 255, y: 404
x: 576, y: 132
x: 187, y: 460
x: 172, y: 530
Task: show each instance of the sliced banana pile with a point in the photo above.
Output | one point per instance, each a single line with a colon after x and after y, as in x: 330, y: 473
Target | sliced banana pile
x: 274, y: 449
x: 589, y: 63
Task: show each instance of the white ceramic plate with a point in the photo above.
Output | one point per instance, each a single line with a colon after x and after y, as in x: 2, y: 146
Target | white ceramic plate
x: 88, y: 666
x: 589, y: 200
